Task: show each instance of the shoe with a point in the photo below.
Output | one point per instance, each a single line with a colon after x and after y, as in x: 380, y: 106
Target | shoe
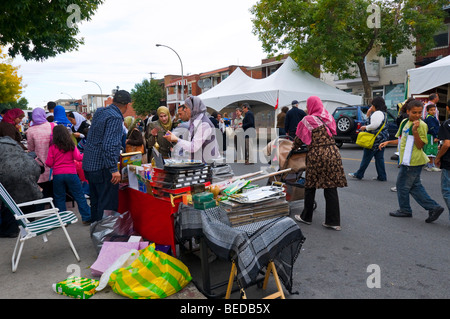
x: 434, y: 214
x: 435, y: 169
x: 86, y: 222
x: 332, y: 227
x: 399, y: 213
x: 298, y: 218
x: 393, y: 189
x: 376, y: 179
x: 429, y: 169
x: 352, y: 175
x: 9, y: 235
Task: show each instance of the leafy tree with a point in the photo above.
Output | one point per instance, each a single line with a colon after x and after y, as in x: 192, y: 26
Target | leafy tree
x: 39, y: 29
x: 10, y: 81
x: 338, y: 34
x: 22, y: 104
x: 146, y: 96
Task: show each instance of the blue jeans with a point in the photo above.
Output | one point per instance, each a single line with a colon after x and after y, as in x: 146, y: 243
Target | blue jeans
x: 73, y: 184
x: 408, y: 182
x: 104, y: 195
x: 445, y: 187
x: 379, y: 164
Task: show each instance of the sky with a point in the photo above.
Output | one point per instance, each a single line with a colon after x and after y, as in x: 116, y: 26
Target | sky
x: 120, y: 47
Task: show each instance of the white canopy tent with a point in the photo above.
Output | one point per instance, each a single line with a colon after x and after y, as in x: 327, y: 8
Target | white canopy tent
x: 288, y: 83
x: 429, y: 76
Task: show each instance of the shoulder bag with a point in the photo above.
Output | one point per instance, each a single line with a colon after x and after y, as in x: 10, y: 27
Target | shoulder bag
x: 366, y: 139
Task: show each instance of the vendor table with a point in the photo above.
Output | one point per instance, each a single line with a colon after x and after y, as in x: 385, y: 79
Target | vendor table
x: 152, y: 217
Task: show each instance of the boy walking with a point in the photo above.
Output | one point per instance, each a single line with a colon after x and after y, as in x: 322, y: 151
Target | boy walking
x: 413, y: 132
x: 431, y: 148
x: 443, y: 158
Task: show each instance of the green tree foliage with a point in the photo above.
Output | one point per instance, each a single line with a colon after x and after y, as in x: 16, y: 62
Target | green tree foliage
x: 22, y: 104
x: 335, y: 34
x: 146, y: 96
x: 39, y: 29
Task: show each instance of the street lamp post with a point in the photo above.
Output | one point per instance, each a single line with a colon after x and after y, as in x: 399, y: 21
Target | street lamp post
x: 182, y: 76
x: 101, y: 93
x: 73, y: 100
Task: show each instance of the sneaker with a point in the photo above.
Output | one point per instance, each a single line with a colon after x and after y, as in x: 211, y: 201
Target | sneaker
x: 399, y: 213
x: 429, y: 169
x: 393, y: 189
x: 332, y: 227
x: 298, y: 218
x: 434, y: 214
x: 352, y: 175
x: 435, y: 169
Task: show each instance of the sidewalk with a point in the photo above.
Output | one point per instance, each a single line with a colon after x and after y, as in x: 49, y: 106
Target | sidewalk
x: 43, y: 264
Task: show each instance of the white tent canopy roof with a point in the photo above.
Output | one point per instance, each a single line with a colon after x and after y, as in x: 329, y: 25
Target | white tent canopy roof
x: 429, y: 76
x: 288, y: 83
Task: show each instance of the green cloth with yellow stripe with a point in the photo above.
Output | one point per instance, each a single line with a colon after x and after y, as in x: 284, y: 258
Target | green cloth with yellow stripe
x: 153, y: 275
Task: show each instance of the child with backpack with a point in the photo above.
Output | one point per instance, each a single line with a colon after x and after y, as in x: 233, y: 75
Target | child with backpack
x: 413, y: 132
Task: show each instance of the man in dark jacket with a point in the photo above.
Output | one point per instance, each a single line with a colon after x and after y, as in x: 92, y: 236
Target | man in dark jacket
x: 293, y: 117
x: 248, y: 124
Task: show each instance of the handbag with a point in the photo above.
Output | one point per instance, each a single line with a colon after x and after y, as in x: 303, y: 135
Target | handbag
x: 366, y: 139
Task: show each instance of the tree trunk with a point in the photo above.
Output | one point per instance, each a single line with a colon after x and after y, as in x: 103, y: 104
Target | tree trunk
x: 365, y: 80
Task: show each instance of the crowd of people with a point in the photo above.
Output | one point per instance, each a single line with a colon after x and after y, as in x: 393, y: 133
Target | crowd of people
x: 67, y: 152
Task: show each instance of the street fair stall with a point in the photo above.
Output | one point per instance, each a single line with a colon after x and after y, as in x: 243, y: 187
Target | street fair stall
x: 233, y: 216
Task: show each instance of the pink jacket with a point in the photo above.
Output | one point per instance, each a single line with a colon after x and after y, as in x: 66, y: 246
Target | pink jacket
x: 63, y: 163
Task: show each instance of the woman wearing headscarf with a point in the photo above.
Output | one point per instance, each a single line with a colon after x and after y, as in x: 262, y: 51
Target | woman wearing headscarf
x: 324, y: 167
x: 156, y: 130
x: 60, y: 117
x: 9, y: 125
x: 79, y: 123
x: 38, y: 141
x: 201, y: 143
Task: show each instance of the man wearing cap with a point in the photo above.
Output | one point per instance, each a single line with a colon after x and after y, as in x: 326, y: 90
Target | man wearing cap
x: 101, y: 154
x: 293, y: 117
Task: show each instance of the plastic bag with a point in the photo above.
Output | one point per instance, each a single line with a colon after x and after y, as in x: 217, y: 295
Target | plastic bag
x: 153, y: 275
x: 123, y: 261
x: 113, y: 227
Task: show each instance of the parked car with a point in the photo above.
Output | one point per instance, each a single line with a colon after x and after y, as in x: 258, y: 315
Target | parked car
x: 349, y: 120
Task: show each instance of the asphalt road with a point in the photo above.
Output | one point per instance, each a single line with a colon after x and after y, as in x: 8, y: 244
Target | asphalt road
x: 398, y: 257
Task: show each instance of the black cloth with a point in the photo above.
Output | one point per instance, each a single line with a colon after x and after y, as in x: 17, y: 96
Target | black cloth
x: 214, y: 122
x: 248, y: 121
x: 293, y: 117
x: 444, y: 134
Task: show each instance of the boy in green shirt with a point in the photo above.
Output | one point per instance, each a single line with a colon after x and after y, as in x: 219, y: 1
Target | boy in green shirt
x: 413, y: 133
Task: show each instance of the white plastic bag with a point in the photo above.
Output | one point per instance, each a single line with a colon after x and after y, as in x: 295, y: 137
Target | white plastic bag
x: 123, y: 261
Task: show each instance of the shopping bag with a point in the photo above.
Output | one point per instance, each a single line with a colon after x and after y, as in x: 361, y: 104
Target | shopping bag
x: 153, y: 275
x: 365, y: 139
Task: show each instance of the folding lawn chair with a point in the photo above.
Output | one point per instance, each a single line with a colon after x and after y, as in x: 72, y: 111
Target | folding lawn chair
x: 45, y: 221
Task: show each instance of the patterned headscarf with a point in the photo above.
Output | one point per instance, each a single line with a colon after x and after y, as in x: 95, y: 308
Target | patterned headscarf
x: 11, y: 115
x: 165, y: 110
x: 38, y: 116
x: 317, y: 116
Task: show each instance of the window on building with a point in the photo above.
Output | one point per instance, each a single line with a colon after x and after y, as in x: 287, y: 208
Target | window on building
x: 390, y: 60
x: 377, y: 91
x: 441, y: 38
x: 223, y: 76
